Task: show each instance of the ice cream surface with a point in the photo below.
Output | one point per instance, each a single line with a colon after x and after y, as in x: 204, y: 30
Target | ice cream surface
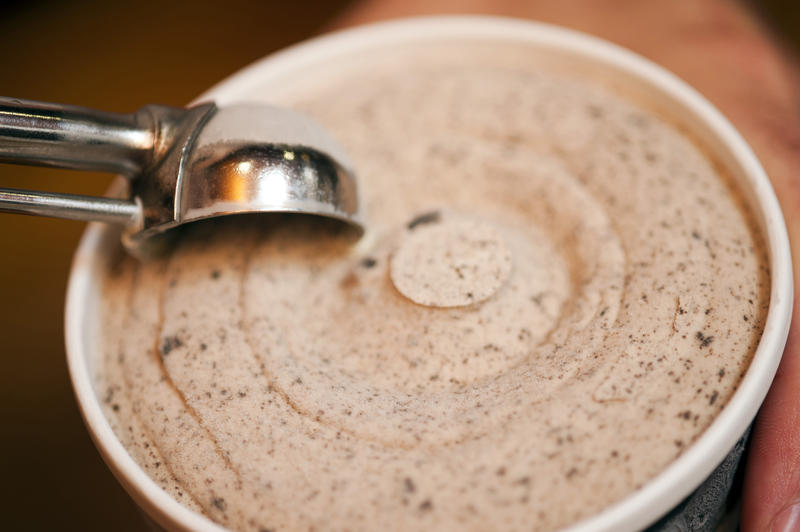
x: 557, y: 293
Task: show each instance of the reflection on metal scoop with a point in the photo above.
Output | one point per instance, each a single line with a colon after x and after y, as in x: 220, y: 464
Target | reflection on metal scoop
x: 182, y: 165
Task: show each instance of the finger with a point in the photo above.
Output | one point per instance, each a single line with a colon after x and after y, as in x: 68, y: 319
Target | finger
x: 772, y: 474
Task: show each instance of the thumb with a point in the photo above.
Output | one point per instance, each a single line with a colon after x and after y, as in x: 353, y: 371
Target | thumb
x: 771, y: 492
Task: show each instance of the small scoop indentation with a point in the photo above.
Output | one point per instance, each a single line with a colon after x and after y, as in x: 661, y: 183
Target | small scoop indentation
x: 450, y: 262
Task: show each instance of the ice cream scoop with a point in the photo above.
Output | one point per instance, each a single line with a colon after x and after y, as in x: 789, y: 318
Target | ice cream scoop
x: 181, y: 164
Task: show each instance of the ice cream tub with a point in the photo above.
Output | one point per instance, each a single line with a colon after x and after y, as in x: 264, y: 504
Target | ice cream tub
x: 689, y: 492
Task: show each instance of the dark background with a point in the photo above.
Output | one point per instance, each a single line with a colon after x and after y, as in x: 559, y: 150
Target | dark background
x: 116, y: 57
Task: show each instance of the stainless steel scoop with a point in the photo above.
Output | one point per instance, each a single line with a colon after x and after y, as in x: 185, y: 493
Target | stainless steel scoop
x: 182, y: 164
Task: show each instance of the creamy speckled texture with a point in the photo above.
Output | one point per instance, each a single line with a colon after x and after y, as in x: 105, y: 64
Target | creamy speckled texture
x: 275, y: 376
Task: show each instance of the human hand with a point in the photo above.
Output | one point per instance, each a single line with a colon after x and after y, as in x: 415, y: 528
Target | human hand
x: 723, y: 50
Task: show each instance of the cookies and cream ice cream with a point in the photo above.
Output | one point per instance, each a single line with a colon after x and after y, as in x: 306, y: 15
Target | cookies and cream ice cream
x: 557, y: 293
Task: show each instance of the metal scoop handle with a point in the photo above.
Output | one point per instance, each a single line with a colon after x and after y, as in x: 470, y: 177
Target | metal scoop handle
x: 64, y: 136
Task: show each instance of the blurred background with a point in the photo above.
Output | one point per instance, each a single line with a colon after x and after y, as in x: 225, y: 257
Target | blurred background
x: 115, y: 56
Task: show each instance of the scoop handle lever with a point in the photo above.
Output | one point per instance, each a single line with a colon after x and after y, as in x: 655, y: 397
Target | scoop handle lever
x: 68, y: 206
